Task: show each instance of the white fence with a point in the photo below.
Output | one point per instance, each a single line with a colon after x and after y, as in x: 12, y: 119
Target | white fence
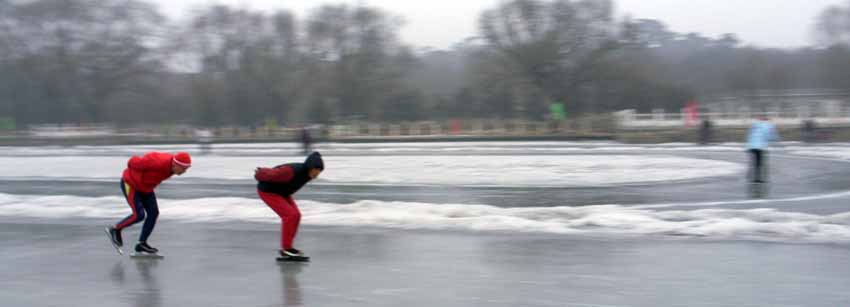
x: 834, y: 115
x: 460, y: 128
x: 71, y: 131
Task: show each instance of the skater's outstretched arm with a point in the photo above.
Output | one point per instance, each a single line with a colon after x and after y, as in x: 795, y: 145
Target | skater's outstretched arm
x: 774, y: 135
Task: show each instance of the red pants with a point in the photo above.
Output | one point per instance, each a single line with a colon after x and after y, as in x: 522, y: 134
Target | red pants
x: 289, y: 215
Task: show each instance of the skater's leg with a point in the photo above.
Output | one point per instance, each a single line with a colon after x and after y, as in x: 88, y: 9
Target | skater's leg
x: 765, y: 170
x: 278, y: 204
x: 136, y: 205
x: 291, y: 222
x: 758, y: 164
x: 152, y: 210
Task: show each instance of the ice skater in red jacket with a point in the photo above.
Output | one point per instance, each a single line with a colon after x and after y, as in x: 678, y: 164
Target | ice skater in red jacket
x: 276, y: 186
x: 140, y: 178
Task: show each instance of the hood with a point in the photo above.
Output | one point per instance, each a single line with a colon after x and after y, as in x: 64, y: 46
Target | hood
x: 314, y: 160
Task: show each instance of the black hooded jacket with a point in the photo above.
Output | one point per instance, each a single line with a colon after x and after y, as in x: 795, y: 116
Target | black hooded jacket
x: 298, y: 174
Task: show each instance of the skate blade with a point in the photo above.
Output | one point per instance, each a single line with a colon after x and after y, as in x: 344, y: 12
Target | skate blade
x: 137, y: 255
x: 293, y: 259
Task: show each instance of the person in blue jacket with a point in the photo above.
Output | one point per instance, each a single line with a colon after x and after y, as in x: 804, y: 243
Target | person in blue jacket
x: 761, y: 134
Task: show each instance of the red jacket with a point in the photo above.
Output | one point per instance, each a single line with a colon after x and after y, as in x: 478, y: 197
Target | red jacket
x: 146, y: 172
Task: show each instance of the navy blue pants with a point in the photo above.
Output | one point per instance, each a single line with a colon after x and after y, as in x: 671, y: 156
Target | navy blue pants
x: 143, y: 205
x: 758, y: 171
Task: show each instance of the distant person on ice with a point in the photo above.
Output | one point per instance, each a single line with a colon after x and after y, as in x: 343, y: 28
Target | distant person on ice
x: 140, y: 178
x: 276, y: 186
x: 306, y: 140
x: 761, y: 134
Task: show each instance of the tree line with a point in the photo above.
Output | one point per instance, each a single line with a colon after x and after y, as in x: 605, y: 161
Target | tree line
x: 123, y: 62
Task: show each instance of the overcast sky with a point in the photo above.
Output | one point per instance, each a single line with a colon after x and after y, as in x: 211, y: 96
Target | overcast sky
x: 441, y: 23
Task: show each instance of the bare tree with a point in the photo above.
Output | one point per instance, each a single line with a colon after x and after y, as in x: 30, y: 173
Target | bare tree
x: 554, y: 43
x: 362, y: 63
x: 77, y: 54
x: 250, y: 64
x: 833, y: 25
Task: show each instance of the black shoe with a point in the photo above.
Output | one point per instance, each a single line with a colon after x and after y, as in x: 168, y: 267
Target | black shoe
x: 291, y: 253
x: 115, y: 236
x: 143, y: 247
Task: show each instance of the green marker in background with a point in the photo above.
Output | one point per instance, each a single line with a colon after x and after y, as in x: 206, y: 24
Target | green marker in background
x: 556, y: 111
x: 7, y: 124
